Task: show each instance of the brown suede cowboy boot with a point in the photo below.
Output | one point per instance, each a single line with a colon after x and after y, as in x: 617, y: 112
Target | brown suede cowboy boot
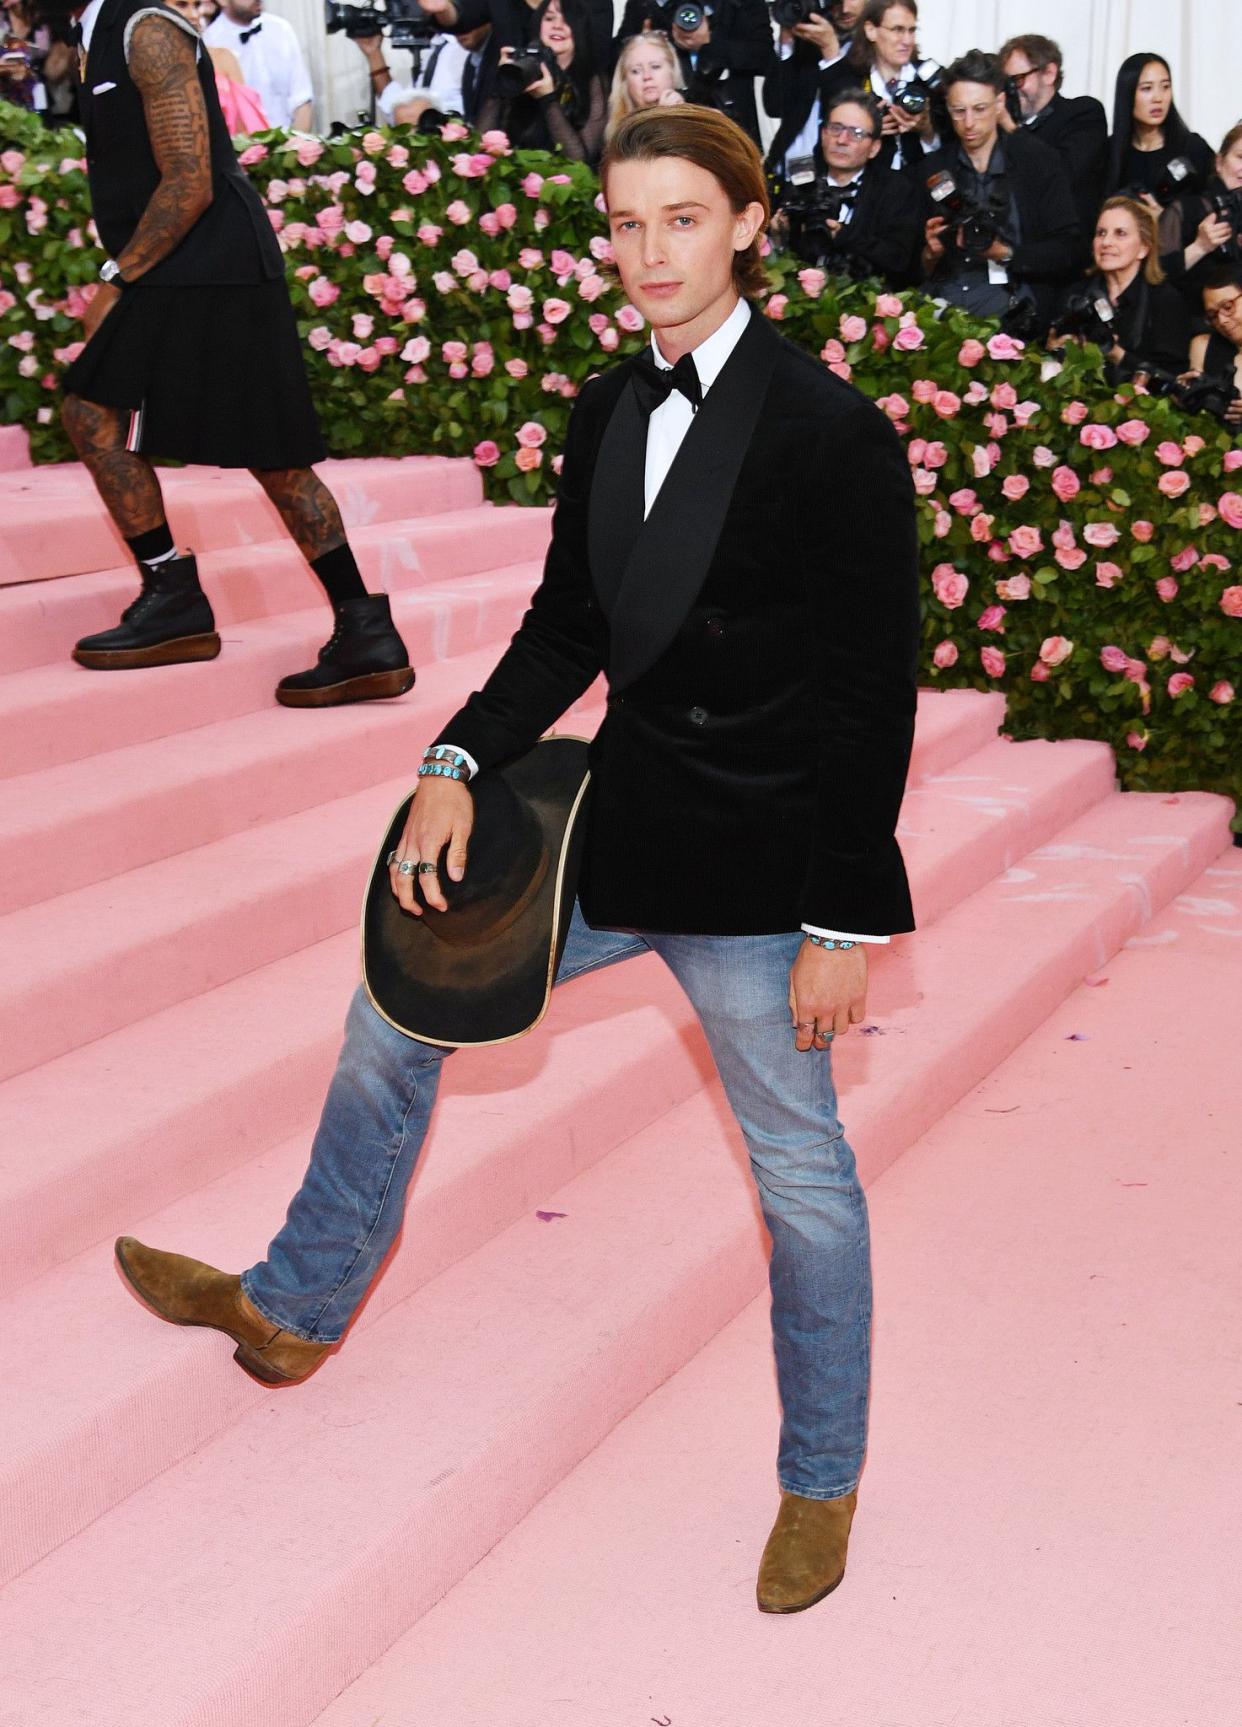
x: 187, y: 1292
x: 804, y: 1559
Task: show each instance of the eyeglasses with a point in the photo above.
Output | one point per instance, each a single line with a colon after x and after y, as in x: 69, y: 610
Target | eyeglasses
x: 839, y: 130
x: 1224, y: 309
x: 1021, y: 77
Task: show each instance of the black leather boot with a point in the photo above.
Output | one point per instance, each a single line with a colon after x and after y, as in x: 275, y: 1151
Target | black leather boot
x: 171, y: 621
x: 363, y: 660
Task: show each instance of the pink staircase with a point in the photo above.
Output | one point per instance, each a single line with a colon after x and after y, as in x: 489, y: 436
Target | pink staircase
x: 181, y: 865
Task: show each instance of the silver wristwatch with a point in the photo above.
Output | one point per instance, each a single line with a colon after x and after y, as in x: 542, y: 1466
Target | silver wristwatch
x: 110, y: 271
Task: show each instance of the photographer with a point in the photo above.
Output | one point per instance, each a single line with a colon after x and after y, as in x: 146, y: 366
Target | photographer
x: 1126, y: 307
x: 270, y: 57
x: 551, y: 97
x: 1201, y: 231
x: 808, y: 67
x: 647, y: 75
x: 723, y: 46
x: 1216, y: 359
x: 1075, y: 127
x: 854, y: 217
x: 1000, y: 223
x: 438, y: 68
x: 1152, y: 151
x: 884, y: 58
x: 24, y: 46
x: 514, y: 24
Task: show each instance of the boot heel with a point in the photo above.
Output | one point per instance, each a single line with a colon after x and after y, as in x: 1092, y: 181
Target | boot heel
x: 367, y: 687
x: 255, y: 1365
x: 182, y: 650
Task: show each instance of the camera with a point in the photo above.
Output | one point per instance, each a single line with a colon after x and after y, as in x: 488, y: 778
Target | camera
x: 512, y: 76
x: 403, y: 21
x: 1227, y: 207
x: 978, y: 221
x: 1013, y: 101
x: 808, y: 210
x: 1209, y: 394
x: 788, y: 13
x: 684, y: 15
x: 915, y: 97
x: 1179, y: 178
x: 1089, y: 314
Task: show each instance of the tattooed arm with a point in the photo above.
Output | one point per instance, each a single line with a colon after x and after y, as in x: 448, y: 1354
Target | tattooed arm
x: 162, y: 65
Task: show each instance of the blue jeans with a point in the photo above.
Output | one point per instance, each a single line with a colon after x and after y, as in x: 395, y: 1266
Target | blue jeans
x: 346, y: 1214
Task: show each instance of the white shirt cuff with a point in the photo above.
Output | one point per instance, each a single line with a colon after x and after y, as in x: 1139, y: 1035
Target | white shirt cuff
x: 471, y: 765
x: 842, y: 934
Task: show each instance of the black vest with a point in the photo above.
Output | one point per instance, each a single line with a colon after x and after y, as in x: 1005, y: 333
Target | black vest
x: 232, y: 242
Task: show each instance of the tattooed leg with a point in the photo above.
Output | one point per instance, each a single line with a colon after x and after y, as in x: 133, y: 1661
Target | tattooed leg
x: 307, y: 508
x: 126, y: 482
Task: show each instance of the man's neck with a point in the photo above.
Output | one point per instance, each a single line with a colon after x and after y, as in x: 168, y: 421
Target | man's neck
x: 981, y: 156
x: 843, y: 176
x: 674, y: 340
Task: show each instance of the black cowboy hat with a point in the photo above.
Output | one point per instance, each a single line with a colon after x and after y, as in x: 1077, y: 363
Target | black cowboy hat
x: 482, y: 971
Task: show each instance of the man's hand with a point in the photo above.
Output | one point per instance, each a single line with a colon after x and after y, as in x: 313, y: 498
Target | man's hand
x: 1005, y: 119
x: 820, y: 33
x: 690, y: 40
x: 1000, y: 251
x: 1212, y: 233
x: 442, y: 814
x: 670, y: 99
x: 442, y: 11
x: 102, y: 302
x: 933, y: 241
x: 827, y: 993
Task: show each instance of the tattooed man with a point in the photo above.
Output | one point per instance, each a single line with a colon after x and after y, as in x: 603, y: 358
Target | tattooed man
x: 192, y: 353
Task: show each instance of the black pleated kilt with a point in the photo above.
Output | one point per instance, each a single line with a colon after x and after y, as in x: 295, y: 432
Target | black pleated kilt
x: 217, y: 372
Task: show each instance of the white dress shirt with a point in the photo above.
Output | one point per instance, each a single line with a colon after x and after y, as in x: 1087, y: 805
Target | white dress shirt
x: 443, y: 63
x: 804, y: 144
x: 271, y: 62
x: 667, y: 426
x: 87, y: 21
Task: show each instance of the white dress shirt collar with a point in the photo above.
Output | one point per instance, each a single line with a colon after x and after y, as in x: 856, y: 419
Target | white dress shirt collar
x: 711, y: 354
x: 88, y: 21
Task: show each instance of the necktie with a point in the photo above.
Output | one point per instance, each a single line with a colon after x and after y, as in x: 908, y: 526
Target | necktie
x: 655, y: 384
x: 73, y: 33
x: 253, y: 31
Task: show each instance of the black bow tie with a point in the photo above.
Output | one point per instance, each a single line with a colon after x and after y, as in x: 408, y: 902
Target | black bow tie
x: 655, y: 384
x: 253, y: 31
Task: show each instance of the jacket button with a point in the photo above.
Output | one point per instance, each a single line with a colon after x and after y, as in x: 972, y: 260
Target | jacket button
x: 715, y: 626
x: 698, y: 716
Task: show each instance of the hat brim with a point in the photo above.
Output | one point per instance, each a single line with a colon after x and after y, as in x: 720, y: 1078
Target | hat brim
x: 498, y: 990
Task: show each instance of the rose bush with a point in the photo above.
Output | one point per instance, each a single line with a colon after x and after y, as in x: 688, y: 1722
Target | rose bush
x: 1080, y: 544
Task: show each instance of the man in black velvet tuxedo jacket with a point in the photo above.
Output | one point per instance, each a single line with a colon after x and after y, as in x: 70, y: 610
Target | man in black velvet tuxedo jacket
x: 734, y: 547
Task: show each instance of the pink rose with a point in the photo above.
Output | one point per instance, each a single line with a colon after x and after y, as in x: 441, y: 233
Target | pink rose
x: 1134, y: 431
x: 1207, y: 515
x: 1043, y: 457
x: 415, y: 183
x: 1233, y: 460
x: 1055, y: 650
x: 630, y: 319
x: 942, y: 524
x: 1003, y: 347
x: 853, y: 329
x: 251, y: 154
x: 488, y: 224
x: 519, y: 298
x: 949, y: 585
x: 1026, y: 542
x: 1101, y: 535
x: 528, y: 460
x: 1070, y: 557
x: 1166, y: 588
x: 982, y: 461
x: 1231, y: 602
x: 429, y: 234
x: 1142, y: 531
x: 946, y: 404
x: 1107, y: 575
x: 532, y: 185
x: 945, y: 655
x: 1004, y: 396
x: 370, y: 359
x: 833, y: 352
x: 591, y: 287
x: 935, y: 455
x: 1074, y: 413
x: 532, y: 434
x: 1113, y: 660
x: 980, y: 525
x: 1039, y: 673
x: 993, y: 619
x: 319, y: 337
x: 496, y: 143
x: 812, y: 282
x: 909, y: 339
x: 308, y: 152
x: 506, y: 215
x: 1098, y: 437
x: 879, y: 338
x: 1174, y: 484
x: 322, y: 292
x: 1025, y: 412
x: 924, y: 389
x: 1230, y: 507
x: 775, y: 307
x: 609, y: 340
x: 363, y: 324
x: 993, y: 662
x: 1170, y: 454
x: 1015, y: 588
x: 1214, y: 561
x: 964, y: 501
x: 1015, y: 486
x: 1159, y: 648
x: 1221, y: 693
x: 888, y: 306
x: 10, y: 197
x: 458, y: 213
x: 516, y: 368
x: 971, y: 352
x: 1184, y: 560
x: 1179, y: 683
x: 925, y: 484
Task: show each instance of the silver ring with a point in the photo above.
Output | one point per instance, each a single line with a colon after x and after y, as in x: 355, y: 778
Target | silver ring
x: 405, y: 867
x: 426, y: 869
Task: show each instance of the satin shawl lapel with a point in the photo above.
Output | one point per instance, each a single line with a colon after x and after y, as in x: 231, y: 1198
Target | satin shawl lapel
x: 618, y: 496
x: 669, y: 558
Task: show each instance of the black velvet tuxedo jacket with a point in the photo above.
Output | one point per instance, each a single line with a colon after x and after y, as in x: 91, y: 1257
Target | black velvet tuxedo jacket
x: 759, y: 635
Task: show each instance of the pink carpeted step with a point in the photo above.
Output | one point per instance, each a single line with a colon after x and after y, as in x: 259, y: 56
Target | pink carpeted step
x: 53, y: 524
x: 41, y: 622
x: 61, y: 712
x: 1049, y: 1521
x: 288, y: 1552
x: 187, y: 922
x: 14, y: 451
x: 231, y: 1226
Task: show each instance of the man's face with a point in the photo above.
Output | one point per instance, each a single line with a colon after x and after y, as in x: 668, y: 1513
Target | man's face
x: 1223, y: 307
x: 848, y: 138
x: 1036, y: 85
x: 974, y: 110
x: 846, y: 13
x: 243, y: 11
x: 674, y: 234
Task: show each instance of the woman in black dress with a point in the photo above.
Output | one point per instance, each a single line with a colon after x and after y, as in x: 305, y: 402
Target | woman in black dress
x: 1219, y: 354
x: 1148, y: 322
x: 1196, y: 238
x: 565, y: 107
x: 1149, y: 133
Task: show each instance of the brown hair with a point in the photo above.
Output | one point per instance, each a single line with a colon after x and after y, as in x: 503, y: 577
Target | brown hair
x: 1230, y: 139
x: 1038, y: 51
x: 1145, y: 222
x: 862, y: 48
x: 619, y: 101
x: 712, y: 141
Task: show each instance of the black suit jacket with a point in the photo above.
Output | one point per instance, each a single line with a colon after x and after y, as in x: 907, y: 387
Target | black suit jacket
x: 1047, y: 254
x: 759, y: 632
x: 1077, y: 129
x: 885, y: 232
